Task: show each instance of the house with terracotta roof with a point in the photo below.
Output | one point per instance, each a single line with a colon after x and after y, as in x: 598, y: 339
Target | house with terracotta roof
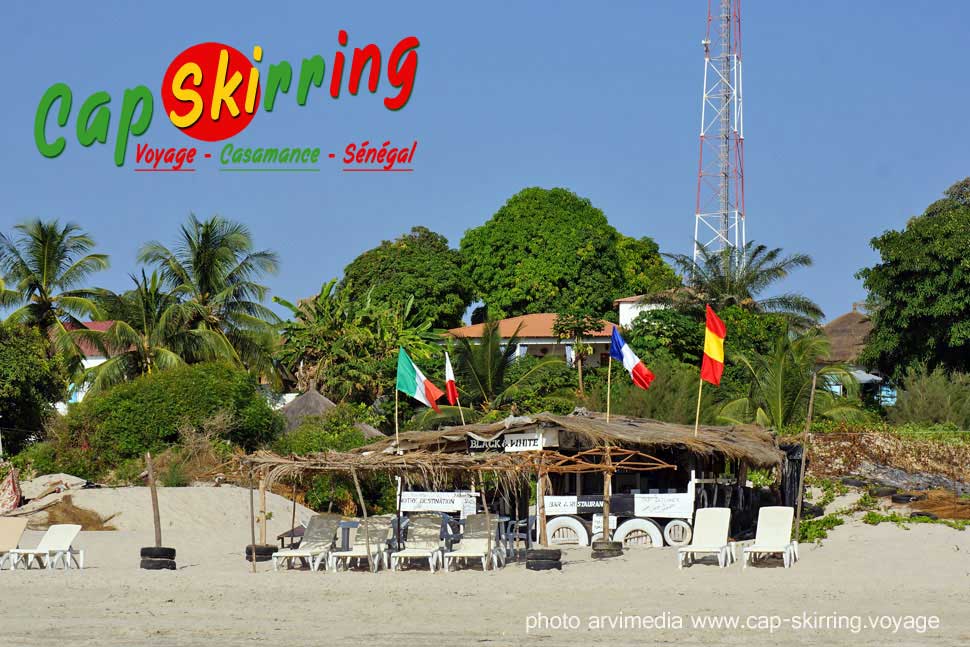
x: 537, y: 337
x: 92, y: 356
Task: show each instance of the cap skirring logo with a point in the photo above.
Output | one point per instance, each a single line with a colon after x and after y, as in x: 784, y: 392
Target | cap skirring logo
x: 211, y: 92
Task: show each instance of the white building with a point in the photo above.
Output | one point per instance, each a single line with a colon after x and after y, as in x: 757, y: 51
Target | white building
x: 631, y: 307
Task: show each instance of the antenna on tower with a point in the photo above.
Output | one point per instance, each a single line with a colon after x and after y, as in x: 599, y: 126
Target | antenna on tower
x: 719, y: 212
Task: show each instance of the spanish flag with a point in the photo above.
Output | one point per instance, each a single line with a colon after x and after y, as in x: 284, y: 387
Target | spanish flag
x: 713, y: 364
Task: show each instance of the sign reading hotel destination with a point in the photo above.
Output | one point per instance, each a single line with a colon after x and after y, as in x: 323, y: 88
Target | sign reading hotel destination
x: 436, y: 501
x: 521, y: 442
x: 669, y: 506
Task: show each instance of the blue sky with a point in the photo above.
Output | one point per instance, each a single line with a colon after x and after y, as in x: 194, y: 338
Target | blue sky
x: 855, y: 120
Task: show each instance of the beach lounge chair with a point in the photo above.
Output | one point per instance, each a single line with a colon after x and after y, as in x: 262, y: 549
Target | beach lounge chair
x: 423, y: 541
x: 711, y: 526
x: 55, y: 548
x: 316, y: 545
x: 773, y: 536
x: 475, y: 543
x: 379, y: 530
x: 11, y: 530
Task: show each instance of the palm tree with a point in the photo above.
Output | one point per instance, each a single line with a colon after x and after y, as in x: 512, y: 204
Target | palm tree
x: 214, y: 267
x: 44, y: 269
x: 155, y: 335
x: 482, y: 376
x: 781, y: 385
x: 737, y: 276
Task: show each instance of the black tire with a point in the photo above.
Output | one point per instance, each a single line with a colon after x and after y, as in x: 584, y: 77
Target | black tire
x: 883, y: 491
x: 262, y: 549
x: 152, y: 564
x: 543, y: 565
x: 903, y: 498
x: 607, y: 545
x: 606, y: 554
x: 157, y: 552
x: 549, y: 554
x: 853, y: 482
x: 811, y: 510
x: 928, y: 515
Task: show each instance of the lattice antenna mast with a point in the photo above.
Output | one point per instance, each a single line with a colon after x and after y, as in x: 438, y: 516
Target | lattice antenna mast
x: 719, y: 212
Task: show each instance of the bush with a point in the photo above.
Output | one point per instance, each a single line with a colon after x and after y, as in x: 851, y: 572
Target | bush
x: 48, y: 458
x: 932, y: 397
x: 146, y: 414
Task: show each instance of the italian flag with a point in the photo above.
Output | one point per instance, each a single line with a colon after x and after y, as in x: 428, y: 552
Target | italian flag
x: 411, y: 381
x: 450, y: 387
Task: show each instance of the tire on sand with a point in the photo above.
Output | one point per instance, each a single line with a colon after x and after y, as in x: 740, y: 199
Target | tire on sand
x: 153, y: 564
x: 567, y: 530
x: 547, y: 554
x: 678, y: 532
x: 637, y: 532
x: 157, y: 552
x: 606, y: 553
x: 543, y: 565
x: 263, y: 552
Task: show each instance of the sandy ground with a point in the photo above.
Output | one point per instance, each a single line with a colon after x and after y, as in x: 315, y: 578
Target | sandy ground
x: 860, y: 574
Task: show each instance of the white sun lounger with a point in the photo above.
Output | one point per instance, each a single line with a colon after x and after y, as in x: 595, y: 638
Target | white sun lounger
x: 711, y: 527
x: 55, y: 548
x: 316, y: 545
x: 11, y: 530
x: 423, y: 542
x: 475, y: 544
x: 379, y: 530
x: 773, y: 536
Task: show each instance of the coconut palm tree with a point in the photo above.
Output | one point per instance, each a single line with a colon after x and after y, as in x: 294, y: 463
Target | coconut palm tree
x: 214, y: 267
x: 45, y: 268
x: 781, y: 385
x: 154, y: 335
x: 738, y: 276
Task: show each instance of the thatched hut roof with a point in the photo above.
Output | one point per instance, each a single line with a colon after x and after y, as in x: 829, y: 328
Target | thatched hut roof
x: 847, y: 336
x: 313, y: 403
x: 747, y: 443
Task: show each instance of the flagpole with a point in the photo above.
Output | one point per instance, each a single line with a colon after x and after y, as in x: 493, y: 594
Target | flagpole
x: 697, y: 418
x: 460, y: 412
x: 609, y: 386
x: 397, y: 436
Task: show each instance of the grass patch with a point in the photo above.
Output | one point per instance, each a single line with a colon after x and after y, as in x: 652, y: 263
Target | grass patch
x: 64, y: 511
x: 815, y: 530
x: 874, y: 518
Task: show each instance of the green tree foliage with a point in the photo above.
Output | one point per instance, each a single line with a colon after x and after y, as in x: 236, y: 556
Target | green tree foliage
x: 146, y: 413
x: 738, y: 277
x: 214, y: 268
x: 348, y: 350
x: 644, y: 269
x: 336, y: 430
x: 576, y: 326
x: 679, y: 334
x: 45, y: 268
x: 932, y: 397
x: 419, y: 265
x: 781, y: 385
x: 672, y: 397
x: 155, y: 334
x: 920, y: 290
x: 30, y: 381
x: 548, y: 250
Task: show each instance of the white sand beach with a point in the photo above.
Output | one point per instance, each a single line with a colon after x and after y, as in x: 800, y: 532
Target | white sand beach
x: 213, y: 598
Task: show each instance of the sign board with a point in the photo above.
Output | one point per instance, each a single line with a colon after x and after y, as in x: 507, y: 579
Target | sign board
x: 436, y: 501
x: 519, y: 442
x: 667, y: 506
x: 598, y: 523
x: 560, y: 505
x: 621, y: 504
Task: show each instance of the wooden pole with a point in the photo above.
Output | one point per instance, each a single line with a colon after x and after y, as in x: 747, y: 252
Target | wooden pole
x: 252, y: 521
x: 607, y: 482
x: 609, y: 387
x: 460, y: 412
x: 363, y: 508
x: 397, y: 434
x: 697, y: 416
x: 293, y: 516
x: 488, y: 519
x: 805, y: 443
x: 151, y: 486
x: 262, y: 507
x: 541, y: 505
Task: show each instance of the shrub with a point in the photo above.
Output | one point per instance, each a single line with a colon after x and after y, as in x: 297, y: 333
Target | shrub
x: 932, y: 397
x: 174, y: 475
x: 813, y: 530
x: 146, y: 414
x: 48, y: 458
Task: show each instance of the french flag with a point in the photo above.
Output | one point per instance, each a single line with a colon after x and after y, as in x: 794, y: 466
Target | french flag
x: 621, y: 351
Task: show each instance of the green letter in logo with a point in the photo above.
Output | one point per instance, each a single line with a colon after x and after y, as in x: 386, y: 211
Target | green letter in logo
x: 55, y: 92
x: 88, y: 133
x: 133, y: 97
